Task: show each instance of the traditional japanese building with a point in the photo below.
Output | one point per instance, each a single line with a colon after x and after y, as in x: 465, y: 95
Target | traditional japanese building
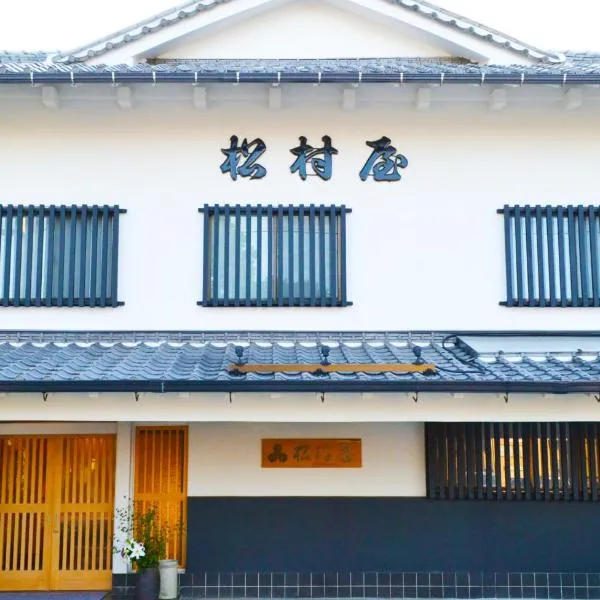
x: 321, y: 280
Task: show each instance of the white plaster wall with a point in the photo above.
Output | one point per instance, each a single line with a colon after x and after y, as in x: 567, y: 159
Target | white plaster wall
x: 304, y: 30
x: 423, y: 253
x: 298, y: 408
x: 225, y: 458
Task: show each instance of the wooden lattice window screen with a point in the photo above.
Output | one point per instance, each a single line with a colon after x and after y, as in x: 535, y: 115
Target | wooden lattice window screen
x: 161, y: 479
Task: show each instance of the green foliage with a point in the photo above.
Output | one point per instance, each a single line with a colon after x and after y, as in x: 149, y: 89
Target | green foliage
x: 141, y: 525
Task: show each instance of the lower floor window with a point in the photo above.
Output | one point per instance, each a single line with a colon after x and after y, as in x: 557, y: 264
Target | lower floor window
x: 529, y: 461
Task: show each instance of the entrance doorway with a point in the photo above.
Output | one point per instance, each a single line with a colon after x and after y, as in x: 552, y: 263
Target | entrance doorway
x: 56, y: 512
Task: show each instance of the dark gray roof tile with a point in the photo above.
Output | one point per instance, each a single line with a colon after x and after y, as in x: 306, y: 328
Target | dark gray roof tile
x: 115, y: 357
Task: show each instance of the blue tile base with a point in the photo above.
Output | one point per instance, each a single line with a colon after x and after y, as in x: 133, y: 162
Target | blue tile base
x: 545, y: 586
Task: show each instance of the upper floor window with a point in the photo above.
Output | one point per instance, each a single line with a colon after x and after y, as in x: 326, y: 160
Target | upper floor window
x: 274, y: 255
x: 513, y: 461
x: 59, y: 255
x: 552, y: 255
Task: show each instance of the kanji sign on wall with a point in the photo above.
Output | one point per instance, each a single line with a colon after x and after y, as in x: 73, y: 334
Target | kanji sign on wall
x: 311, y: 453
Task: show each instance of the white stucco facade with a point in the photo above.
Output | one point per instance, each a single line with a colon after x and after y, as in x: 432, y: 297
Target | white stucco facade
x: 426, y: 252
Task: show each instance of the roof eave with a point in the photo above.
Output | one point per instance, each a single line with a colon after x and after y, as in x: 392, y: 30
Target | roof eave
x: 325, y: 385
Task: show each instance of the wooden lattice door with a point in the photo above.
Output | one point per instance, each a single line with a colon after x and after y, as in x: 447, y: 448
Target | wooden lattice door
x: 161, y: 480
x: 56, y: 512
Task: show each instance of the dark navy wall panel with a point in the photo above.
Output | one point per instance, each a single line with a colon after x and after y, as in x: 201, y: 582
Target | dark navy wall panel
x: 390, y: 534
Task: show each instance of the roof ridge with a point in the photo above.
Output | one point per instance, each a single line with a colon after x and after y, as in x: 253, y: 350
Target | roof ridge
x: 184, y: 10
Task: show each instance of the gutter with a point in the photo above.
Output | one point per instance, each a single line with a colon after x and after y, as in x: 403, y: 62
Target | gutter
x: 313, y: 77
x: 162, y: 387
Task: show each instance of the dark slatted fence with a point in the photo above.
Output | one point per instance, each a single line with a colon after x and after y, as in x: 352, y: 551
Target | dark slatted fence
x: 513, y: 461
x: 59, y: 255
x: 274, y: 255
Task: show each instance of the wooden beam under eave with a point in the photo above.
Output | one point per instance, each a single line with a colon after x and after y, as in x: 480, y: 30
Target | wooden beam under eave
x: 275, y: 98
x: 50, y: 97
x: 339, y: 368
x: 200, y: 97
x: 498, y: 99
x: 124, y: 97
x: 573, y: 98
x: 349, y: 99
x: 423, y: 99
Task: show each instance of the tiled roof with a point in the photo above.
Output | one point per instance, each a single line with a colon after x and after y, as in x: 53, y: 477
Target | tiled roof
x: 374, y: 70
x: 6, y: 56
x: 202, y: 362
x: 189, y: 9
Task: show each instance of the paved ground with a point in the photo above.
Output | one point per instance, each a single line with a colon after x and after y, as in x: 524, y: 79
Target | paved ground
x: 53, y: 595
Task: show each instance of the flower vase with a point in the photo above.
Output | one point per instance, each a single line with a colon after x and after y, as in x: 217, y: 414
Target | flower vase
x: 148, y: 584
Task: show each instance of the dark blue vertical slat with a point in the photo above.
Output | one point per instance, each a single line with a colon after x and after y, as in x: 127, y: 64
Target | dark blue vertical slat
x: 104, y: 256
x: 7, y: 256
x: 236, y: 264
x: 519, y: 256
x: 574, y: 262
x: 206, y: 214
x: 333, y: 255
x: 452, y: 455
x: 529, y: 251
x: 508, y: 436
x: 279, y: 255
x: 94, y: 258
x: 508, y: 255
x: 545, y: 475
x: 539, y: 232
x: 527, y: 460
x: 72, y: 254
x: 259, y: 256
x: 537, y: 476
x: 489, y: 462
x: 114, y: 268
x: 555, y: 433
x: 50, y: 255
x: 479, y: 449
x: 62, y: 226
x: 551, y: 248
x: 83, y: 258
x: 574, y: 447
x: 584, y: 262
x: 248, y: 265
x: 595, y: 268
x: 564, y: 461
x: 226, y: 251
x: 343, y: 295
x: 18, y: 255
x: 312, y: 257
x: 518, y: 461
x: 301, y: 253
x: 562, y: 268
x: 322, y: 262
x: 592, y: 437
x: 29, y: 256
x: 213, y: 249
x: 39, y: 270
x: 498, y: 434
x: 291, y: 279
x: 270, y: 256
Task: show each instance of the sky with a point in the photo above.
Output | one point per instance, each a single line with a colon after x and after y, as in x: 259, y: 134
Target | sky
x: 65, y: 24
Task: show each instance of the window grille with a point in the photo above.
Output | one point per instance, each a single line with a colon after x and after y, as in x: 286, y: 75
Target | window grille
x: 59, y: 255
x: 274, y: 255
x: 552, y: 255
x: 513, y: 461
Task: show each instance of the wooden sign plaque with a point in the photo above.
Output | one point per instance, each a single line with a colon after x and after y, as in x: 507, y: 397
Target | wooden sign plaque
x: 284, y: 453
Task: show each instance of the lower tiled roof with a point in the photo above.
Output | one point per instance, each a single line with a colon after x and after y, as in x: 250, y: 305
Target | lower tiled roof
x: 167, y: 361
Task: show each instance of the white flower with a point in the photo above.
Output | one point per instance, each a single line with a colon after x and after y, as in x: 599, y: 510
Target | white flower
x: 137, y: 551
